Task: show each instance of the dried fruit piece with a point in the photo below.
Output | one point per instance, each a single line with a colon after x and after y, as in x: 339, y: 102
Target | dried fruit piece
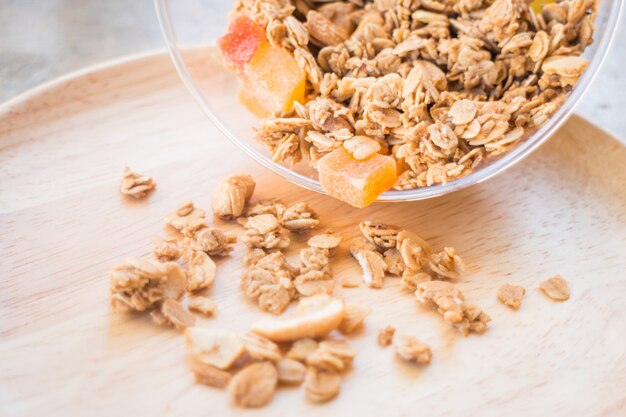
x: 299, y: 217
x: 241, y: 42
x: 290, y: 371
x: 209, y: 375
x: 254, y: 385
x: 165, y: 250
x: 136, y: 185
x: 218, y: 348
x: 556, y: 288
x: 184, y: 216
x: 321, y: 384
x: 231, y: 196
x: 272, y: 82
x: 357, y: 182
x: 201, y: 271
x: 511, y: 295
x: 203, y: 305
x: 139, y: 284
x: 177, y: 314
x: 411, y: 349
x: 260, y: 348
x: 302, y: 349
x: 316, y: 316
x: 353, y: 318
x: 385, y: 336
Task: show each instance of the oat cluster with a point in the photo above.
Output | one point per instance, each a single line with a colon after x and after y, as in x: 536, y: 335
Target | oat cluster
x: 136, y: 185
x: 441, y: 86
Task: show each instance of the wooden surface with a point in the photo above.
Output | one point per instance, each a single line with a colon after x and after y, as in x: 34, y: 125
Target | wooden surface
x: 64, y: 225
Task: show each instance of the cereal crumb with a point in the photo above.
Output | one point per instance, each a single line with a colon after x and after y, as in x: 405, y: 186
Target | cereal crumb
x: 136, y: 185
x: 177, y: 314
x: 254, y: 385
x: 556, y: 288
x: 511, y: 295
x: 385, y: 336
x: 411, y: 349
x: 202, y: 305
x: 165, y: 250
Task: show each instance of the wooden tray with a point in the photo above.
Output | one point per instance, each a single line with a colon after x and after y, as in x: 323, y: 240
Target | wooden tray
x: 64, y: 352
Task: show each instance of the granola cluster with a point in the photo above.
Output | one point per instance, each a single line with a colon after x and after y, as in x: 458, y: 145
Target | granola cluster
x: 259, y: 363
x: 439, y: 85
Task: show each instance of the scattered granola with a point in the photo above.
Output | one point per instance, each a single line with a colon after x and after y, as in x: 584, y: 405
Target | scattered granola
x: 290, y: 371
x: 264, y: 231
x: 184, y: 216
x: 385, y: 336
x: 446, y: 264
x: 372, y: 263
x: 315, y: 275
x: 232, y: 195
x: 299, y: 218
x: 259, y: 347
x: 301, y: 349
x: 411, y: 349
x: 449, y: 301
x: 175, y: 313
x: 411, y: 278
x: 136, y: 185
x: 394, y: 261
x: 511, y: 295
x: 202, y: 305
x: 254, y: 385
x: 556, y: 288
x: 332, y: 354
x: 201, y: 272
x: 165, y: 250
x: 269, y: 281
x: 353, y: 317
x: 207, y: 239
x: 140, y: 284
x: 328, y: 240
x: 218, y: 348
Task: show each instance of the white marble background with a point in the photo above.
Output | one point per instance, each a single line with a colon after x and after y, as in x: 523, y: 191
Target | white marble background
x: 42, y: 39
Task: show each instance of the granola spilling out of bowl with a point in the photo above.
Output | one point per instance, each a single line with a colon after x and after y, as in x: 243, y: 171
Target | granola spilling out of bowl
x: 439, y: 87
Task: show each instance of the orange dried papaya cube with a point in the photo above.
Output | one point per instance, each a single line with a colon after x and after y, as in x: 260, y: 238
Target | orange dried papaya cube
x: 357, y: 182
x: 240, y: 43
x: 272, y: 81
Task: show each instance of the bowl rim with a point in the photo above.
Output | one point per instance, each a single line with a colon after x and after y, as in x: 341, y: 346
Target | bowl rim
x: 500, y: 164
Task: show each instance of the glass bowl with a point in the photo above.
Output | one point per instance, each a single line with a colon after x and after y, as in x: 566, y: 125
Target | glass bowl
x: 190, y: 28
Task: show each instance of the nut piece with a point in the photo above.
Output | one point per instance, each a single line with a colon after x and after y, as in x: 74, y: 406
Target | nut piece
x: 260, y: 348
x: 321, y: 384
x: 139, y: 284
x: 136, y: 185
x: 184, y: 216
x: 201, y: 271
x: 447, y: 264
x: 361, y: 147
x: 511, y: 295
x: 315, y: 317
x: 385, y: 336
x: 254, y: 385
x: 202, y: 305
x: 411, y: 349
x: 324, y: 31
x: 353, y: 318
x: 302, y: 349
x: 165, y: 250
x: 556, y: 288
x: 177, y: 314
x: 290, y: 371
x: 209, y: 375
x: 231, y: 196
x: 299, y: 218
x: 218, y: 348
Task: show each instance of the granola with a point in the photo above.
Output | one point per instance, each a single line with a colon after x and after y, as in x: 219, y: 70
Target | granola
x: 270, y: 282
x: 372, y: 263
x: 165, y: 250
x: 175, y: 313
x: 136, y: 185
x: 259, y: 347
x: 264, y: 231
x: 511, y: 295
x: 328, y: 240
x: 440, y: 86
x: 214, y: 347
x: 301, y: 349
x: 446, y: 264
x: 290, y: 371
x: 232, y: 195
x: 184, y: 216
x: 411, y: 349
x: 213, y: 241
x: 385, y: 336
x: 202, y: 305
x: 315, y: 276
x: 299, y: 218
x: 140, y: 284
x: 201, y: 271
x: 321, y: 384
x: 254, y: 385
x: 449, y: 301
x: 353, y: 317
x: 556, y: 288
x: 209, y: 375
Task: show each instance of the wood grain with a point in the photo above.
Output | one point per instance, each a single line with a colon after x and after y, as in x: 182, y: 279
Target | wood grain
x: 64, y: 352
